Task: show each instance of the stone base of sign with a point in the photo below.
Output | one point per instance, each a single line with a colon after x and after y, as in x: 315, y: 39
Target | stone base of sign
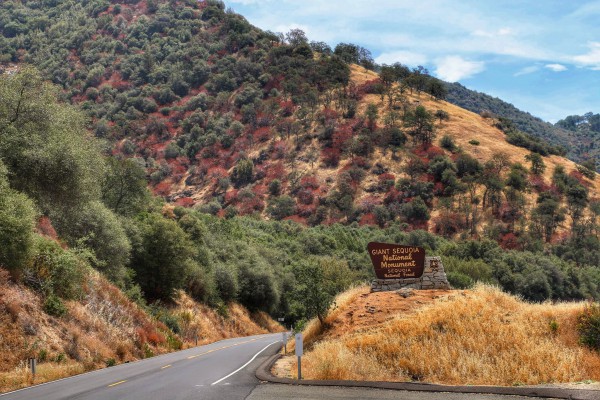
x: 434, y: 277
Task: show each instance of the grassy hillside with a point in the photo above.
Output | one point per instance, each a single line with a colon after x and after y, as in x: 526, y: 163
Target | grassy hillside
x: 103, y: 327
x: 474, y: 337
x: 480, y: 103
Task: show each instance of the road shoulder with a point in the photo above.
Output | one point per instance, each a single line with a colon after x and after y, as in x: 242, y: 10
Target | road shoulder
x: 263, y: 373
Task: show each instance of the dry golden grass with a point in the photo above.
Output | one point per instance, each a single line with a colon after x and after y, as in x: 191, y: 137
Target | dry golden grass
x: 474, y: 337
x: 21, y: 377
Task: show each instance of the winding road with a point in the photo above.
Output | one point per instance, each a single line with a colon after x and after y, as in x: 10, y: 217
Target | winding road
x: 221, y: 370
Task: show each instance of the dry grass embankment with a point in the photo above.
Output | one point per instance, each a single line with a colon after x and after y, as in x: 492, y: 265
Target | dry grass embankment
x: 102, y: 329
x: 477, y: 337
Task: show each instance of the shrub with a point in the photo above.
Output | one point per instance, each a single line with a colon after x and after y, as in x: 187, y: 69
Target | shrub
x: 448, y: 143
x: 54, y: 306
x: 459, y: 280
x: 588, y: 326
x: 170, y: 321
x: 17, y: 216
x: 474, y: 142
x: 55, y: 271
x: 227, y: 285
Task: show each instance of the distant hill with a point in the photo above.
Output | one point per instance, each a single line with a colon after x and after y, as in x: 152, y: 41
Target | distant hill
x: 586, y: 131
x: 480, y: 102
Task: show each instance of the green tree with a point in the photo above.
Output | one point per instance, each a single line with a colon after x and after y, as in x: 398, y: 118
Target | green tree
x: 99, y: 229
x: 372, y: 113
x: 257, y: 289
x: 17, y: 220
x: 243, y: 172
x: 311, y: 292
x: 577, y: 200
x: 442, y: 115
x: 162, y: 256
x: 547, y: 215
x: 537, y: 163
x: 44, y: 145
x: 437, y: 89
x: 124, y: 187
x: 420, y: 125
x: 281, y: 207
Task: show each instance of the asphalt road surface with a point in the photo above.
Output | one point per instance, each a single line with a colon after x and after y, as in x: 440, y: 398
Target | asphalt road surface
x: 222, y: 370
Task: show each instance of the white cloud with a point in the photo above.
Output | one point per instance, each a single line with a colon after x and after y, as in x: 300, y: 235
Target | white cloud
x: 527, y: 70
x: 405, y: 57
x: 505, y: 31
x: 591, y: 58
x: 455, y: 68
x: 556, y: 67
x: 493, y: 34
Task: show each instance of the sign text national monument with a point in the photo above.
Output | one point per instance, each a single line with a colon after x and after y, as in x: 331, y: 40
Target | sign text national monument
x: 398, y: 266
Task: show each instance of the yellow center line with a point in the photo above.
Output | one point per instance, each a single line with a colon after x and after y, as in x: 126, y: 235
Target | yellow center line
x: 166, y: 366
x: 117, y: 383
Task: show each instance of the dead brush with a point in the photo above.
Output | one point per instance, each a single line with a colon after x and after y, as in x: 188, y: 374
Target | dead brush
x: 14, y: 309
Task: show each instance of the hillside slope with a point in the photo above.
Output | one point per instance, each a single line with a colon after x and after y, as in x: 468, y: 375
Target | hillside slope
x: 102, y: 329
x: 237, y: 121
x: 473, y: 337
x: 465, y: 125
x: 480, y: 102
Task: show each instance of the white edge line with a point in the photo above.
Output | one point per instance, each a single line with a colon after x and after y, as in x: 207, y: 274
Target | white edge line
x: 245, y: 365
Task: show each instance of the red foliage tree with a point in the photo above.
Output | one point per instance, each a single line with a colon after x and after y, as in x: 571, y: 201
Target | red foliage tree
x: 509, y: 241
x: 331, y: 157
x: 368, y: 219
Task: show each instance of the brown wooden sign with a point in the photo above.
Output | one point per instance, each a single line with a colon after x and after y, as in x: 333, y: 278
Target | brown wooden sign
x: 394, y: 261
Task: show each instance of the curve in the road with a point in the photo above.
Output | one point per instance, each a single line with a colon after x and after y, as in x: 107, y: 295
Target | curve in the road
x: 221, y: 370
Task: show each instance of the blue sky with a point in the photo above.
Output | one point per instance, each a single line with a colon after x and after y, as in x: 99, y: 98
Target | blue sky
x: 543, y: 56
